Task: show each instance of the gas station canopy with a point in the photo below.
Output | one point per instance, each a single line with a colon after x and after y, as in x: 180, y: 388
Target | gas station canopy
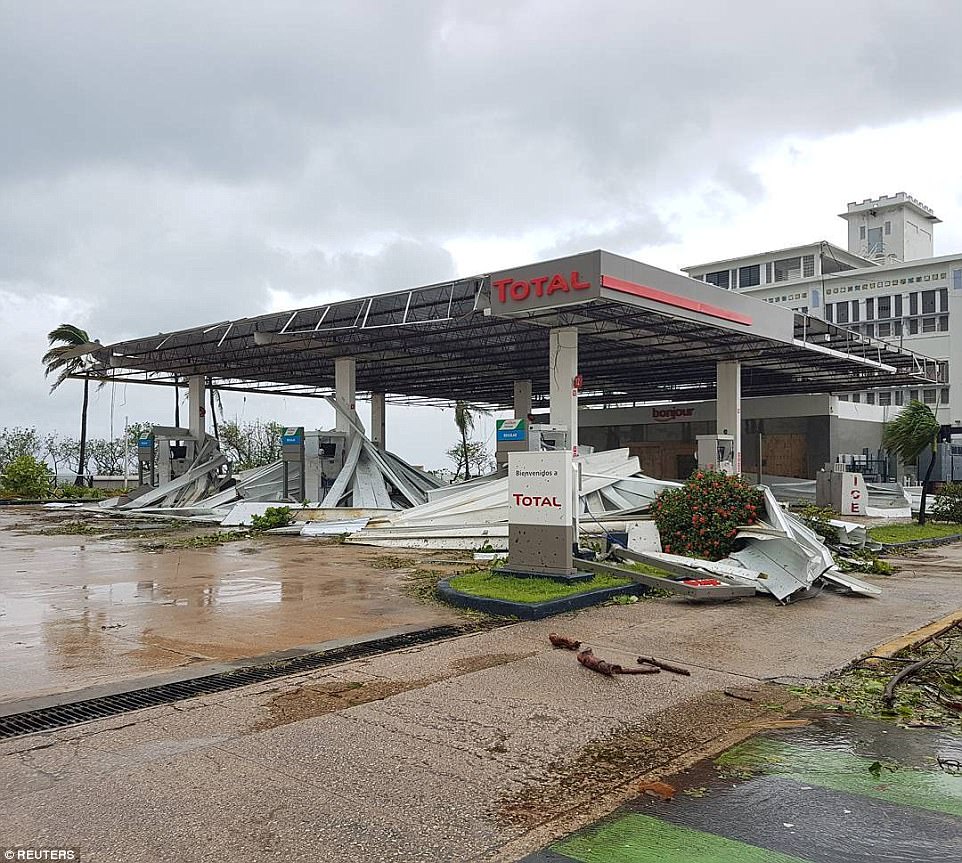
x: 644, y: 334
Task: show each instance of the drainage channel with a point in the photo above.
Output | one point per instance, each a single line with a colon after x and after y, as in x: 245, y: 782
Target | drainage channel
x: 64, y: 715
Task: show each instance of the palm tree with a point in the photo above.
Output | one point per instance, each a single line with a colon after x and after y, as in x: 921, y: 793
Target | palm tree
x: 464, y: 420
x: 62, y: 358
x: 914, y: 429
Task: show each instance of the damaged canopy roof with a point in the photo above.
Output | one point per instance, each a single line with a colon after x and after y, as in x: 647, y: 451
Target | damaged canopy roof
x: 644, y: 334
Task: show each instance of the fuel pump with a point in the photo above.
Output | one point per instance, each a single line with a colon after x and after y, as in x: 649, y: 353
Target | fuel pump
x: 716, y: 452
x: 292, y: 456
x: 146, y: 468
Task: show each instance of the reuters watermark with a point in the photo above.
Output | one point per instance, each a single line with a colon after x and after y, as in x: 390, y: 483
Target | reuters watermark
x: 40, y: 853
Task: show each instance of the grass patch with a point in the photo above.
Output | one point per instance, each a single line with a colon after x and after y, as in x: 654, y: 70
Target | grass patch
x: 892, y: 533
x: 492, y: 586
x: 644, y: 568
x: 206, y: 540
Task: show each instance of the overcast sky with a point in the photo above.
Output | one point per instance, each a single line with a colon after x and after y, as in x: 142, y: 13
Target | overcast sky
x: 165, y: 164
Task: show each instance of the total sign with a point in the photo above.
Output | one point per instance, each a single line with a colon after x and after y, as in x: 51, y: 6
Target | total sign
x: 540, y: 488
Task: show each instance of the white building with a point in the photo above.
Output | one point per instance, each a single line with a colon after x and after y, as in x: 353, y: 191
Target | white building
x: 887, y: 285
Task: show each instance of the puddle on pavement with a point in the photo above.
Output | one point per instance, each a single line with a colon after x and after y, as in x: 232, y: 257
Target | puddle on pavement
x: 836, y: 790
x: 76, y: 613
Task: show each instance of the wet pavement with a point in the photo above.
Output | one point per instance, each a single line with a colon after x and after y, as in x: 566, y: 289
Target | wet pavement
x: 78, y: 611
x: 832, y: 791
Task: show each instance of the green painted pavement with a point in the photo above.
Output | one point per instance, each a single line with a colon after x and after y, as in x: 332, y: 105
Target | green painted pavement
x: 843, y: 771
x: 642, y: 839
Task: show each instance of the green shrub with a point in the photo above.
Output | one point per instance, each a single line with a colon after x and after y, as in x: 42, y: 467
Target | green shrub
x: 948, y: 503
x: 82, y: 492
x: 274, y: 516
x: 26, y: 477
x: 817, y: 518
x: 701, y: 518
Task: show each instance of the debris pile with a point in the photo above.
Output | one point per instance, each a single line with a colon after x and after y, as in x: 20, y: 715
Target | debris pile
x: 475, y: 514
x: 780, y: 556
x: 370, y: 479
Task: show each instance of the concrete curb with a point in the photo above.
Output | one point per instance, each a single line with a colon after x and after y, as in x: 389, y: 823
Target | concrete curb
x: 910, y: 639
x: 533, y: 610
x: 921, y: 543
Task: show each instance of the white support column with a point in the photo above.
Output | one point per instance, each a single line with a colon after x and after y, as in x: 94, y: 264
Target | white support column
x: 563, y: 367
x: 522, y: 399
x: 955, y: 357
x: 345, y: 384
x: 377, y: 420
x: 728, y: 405
x: 196, y: 410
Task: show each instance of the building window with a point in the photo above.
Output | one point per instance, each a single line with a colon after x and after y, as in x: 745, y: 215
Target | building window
x: 768, y: 273
x: 885, y: 399
x: 841, y: 313
x: 898, y: 305
x: 719, y: 278
x: 870, y: 398
x: 928, y: 302
x: 885, y: 330
x: 928, y: 325
x: 913, y: 326
x: 884, y: 308
x: 829, y: 311
x: 870, y: 330
x: 861, y: 232
x: 787, y: 269
x: 944, y: 396
x: 808, y: 266
x: 928, y: 396
x: 888, y: 228
x: 899, y: 398
x: 943, y: 299
x: 896, y: 328
x: 870, y: 309
x: 914, y: 303
x: 913, y: 395
x: 748, y: 277
x: 957, y: 280
x: 855, y: 305
x: 943, y: 324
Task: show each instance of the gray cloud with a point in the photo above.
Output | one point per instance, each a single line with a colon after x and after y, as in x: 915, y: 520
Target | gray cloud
x: 165, y: 164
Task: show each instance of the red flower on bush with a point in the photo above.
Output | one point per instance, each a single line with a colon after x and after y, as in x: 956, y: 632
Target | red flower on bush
x: 715, y: 505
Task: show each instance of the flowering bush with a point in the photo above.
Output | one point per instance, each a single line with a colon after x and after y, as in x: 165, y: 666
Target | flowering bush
x: 701, y: 518
x: 948, y: 503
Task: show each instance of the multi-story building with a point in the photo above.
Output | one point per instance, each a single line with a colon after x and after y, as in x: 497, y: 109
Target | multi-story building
x: 887, y: 285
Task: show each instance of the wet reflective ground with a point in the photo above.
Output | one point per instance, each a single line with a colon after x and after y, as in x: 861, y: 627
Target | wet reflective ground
x: 834, y: 791
x: 77, y: 611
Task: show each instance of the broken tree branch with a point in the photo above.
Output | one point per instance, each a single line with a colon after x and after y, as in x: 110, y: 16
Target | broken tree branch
x: 644, y: 669
x: 888, y: 697
x: 665, y: 666
x: 563, y: 641
x: 587, y: 658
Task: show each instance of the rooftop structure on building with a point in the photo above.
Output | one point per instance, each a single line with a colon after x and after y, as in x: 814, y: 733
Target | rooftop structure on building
x: 886, y: 285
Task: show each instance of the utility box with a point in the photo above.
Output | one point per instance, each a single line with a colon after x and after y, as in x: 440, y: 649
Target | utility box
x: 292, y: 459
x: 716, y: 452
x: 841, y: 490
x: 146, y: 466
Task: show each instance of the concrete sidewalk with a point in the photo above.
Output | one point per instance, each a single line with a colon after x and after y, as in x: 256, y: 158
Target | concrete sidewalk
x: 481, y: 748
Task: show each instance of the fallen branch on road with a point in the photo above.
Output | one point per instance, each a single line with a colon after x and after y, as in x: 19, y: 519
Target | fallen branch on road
x: 665, y: 666
x: 563, y: 641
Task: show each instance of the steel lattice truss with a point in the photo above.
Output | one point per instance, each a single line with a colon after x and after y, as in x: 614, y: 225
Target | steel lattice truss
x: 438, y: 343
